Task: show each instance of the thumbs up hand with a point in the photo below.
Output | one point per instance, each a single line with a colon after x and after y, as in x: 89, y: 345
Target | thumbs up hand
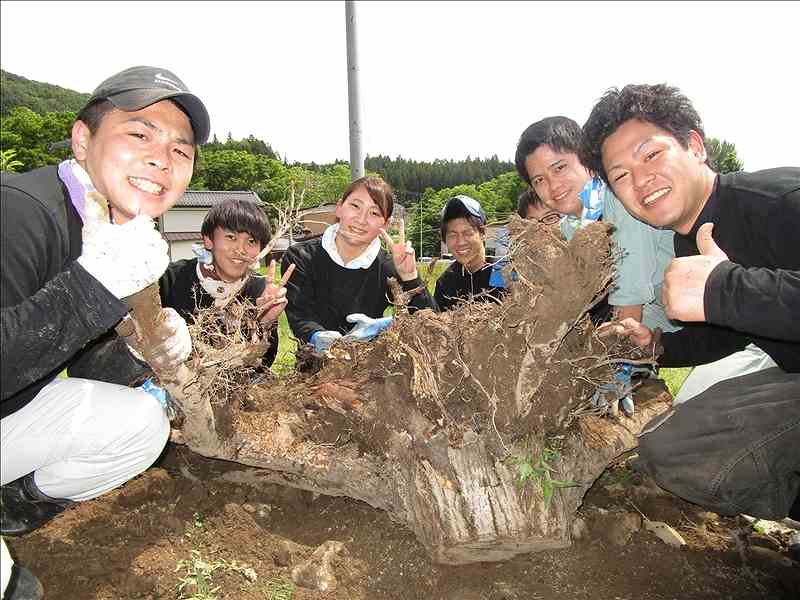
x: 685, y: 278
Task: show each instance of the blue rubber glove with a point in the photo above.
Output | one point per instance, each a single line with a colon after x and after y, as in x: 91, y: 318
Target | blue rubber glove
x: 322, y: 340
x: 366, y: 328
x: 610, y: 397
x: 160, y: 394
x: 496, y: 279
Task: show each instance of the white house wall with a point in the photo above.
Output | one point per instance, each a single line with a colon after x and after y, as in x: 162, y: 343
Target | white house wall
x: 180, y: 250
x: 184, y: 220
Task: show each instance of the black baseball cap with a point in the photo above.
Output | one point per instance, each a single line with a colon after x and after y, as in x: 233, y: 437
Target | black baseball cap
x: 456, y: 206
x: 139, y: 87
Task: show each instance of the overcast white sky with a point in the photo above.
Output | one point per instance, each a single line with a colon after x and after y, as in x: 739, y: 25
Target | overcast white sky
x: 438, y: 79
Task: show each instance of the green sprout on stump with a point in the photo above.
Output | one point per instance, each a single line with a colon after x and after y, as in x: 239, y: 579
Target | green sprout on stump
x: 540, y: 472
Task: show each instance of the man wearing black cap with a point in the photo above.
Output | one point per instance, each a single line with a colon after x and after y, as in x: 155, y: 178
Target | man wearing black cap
x: 67, y: 264
x: 463, y: 229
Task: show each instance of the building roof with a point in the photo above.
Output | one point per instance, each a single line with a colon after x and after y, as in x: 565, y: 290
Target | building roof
x: 172, y: 236
x: 208, y: 198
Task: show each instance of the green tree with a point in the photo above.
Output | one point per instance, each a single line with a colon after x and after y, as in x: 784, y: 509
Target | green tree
x: 723, y: 155
x: 36, y: 137
x: 8, y: 162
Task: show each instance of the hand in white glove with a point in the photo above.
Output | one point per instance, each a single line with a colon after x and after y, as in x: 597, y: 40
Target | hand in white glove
x: 171, y: 345
x: 124, y: 258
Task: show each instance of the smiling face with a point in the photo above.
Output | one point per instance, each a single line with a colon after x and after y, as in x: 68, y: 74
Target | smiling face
x: 657, y: 180
x: 465, y: 242
x: 233, y: 252
x: 360, y: 220
x: 543, y: 214
x: 141, y: 161
x: 557, y: 178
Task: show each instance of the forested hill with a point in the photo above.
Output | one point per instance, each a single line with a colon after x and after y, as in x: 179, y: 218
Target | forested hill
x: 38, y: 96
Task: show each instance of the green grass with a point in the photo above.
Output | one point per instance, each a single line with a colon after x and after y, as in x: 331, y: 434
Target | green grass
x: 674, y: 378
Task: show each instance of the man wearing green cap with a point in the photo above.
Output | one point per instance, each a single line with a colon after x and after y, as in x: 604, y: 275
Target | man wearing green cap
x: 67, y: 265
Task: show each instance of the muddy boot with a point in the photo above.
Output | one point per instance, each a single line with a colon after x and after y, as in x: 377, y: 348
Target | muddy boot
x: 23, y: 507
x: 23, y: 585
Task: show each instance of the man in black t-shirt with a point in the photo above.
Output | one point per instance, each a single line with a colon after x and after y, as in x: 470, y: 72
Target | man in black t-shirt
x: 735, y: 281
x: 463, y: 229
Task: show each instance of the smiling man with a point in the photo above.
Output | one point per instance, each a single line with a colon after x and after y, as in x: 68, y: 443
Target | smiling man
x: 68, y: 262
x: 463, y: 229
x: 234, y: 232
x: 734, y: 446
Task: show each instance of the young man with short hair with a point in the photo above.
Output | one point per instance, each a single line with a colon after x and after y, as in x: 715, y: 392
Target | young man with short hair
x: 234, y: 232
x: 547, y: 158
x: 67, y: 265
x: 530, y: 206
x: 463, y: 228
x: 736, y: 278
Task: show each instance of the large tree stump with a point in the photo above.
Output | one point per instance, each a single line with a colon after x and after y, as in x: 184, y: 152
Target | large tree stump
x: 431, y: 421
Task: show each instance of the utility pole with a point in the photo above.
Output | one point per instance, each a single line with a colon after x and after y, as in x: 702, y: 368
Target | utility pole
x: 354, y: 104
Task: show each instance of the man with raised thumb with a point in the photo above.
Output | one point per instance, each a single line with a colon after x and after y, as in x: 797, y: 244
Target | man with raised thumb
x: 735, y: 283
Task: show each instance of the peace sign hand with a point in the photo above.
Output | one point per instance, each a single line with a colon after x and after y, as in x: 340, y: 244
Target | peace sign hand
x: 273, y: 299
x: 403, y: 255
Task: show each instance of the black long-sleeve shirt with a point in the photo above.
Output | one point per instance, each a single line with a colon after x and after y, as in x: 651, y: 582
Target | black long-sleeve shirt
x: 457, y: 284
x: 51, y: 306
x: 755, y: 296
x: 180, y: 289
x: 322, y: 293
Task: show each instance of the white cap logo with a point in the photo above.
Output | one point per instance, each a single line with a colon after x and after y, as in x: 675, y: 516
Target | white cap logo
x: 162, y: 78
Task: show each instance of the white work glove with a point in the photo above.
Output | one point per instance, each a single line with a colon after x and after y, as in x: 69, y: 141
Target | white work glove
x: 124, y: 258
x: 171, y: 346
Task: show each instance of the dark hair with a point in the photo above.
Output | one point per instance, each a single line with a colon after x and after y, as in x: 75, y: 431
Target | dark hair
x: 560, y: 133
x: 239, y: 216
x: 380, y: 192
x: 662, y: 105
x: 93, y: 114
x: 526, y: 199
x: 459, y: 211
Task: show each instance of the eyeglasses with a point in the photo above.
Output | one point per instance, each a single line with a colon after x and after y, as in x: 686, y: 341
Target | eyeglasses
x: 550, y: 219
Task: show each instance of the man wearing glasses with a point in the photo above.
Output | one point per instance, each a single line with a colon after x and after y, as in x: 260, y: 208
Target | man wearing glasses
x: 530, y: 206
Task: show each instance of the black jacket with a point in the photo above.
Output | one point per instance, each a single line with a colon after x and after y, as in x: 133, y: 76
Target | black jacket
x: 755, y: 297
x: 457, y: 284
x: 180, y: 289
x: 321, y: 293
x: 51, y: 307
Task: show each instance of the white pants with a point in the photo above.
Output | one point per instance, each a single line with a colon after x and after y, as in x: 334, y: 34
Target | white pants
x: 6, y: 563
x: 744, y: 362
x: 82, y: 438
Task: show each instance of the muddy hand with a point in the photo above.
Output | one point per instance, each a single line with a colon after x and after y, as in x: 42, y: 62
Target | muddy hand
x: 273, y: 300
x: 403, y: 256
x: 640, y: 335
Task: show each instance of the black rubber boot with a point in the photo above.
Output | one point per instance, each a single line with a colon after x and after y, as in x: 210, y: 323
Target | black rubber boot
x: 23, y: 507
x: 23, y: 585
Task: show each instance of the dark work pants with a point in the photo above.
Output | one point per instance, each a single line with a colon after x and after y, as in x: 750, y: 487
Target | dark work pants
x: 735, y: 448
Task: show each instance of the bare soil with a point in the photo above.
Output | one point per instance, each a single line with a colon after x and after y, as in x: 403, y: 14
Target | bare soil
x: 129, y: 543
